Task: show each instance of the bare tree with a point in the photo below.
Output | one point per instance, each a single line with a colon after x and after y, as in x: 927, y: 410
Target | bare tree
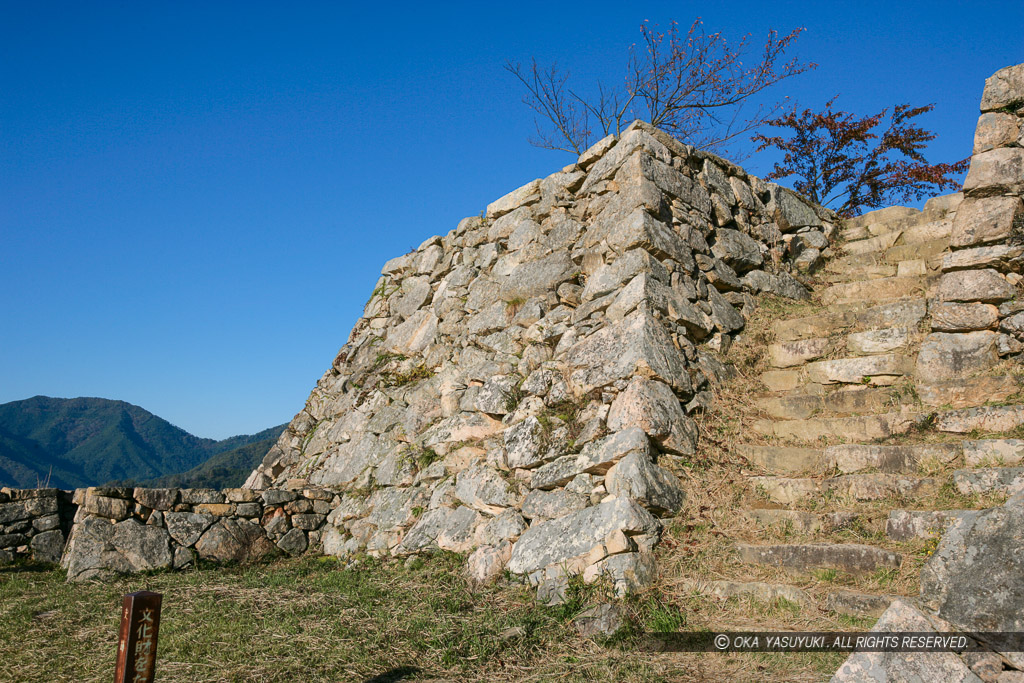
x: 694, y: 86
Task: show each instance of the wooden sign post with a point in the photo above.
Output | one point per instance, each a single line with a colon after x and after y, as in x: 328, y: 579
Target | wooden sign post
x: 136, y: 649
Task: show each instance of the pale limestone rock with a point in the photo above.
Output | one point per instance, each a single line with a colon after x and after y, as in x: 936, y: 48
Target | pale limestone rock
x: 872, y: 667
x: 596, y: 458
x: 487, y: 563
x: 998, y: 171
x: 523, y: 196
x: 595, y: 152
x: 975, y: 578
x: 653, y: 407
x: 963, y: 317
x: 1004, y: 88
x: 879, y: 341
x: 654, y: 487
x: 995, y: 129
x: 484, y: 489
x: 986, y: 286
x: 985, y: 220
x: 557, y: 540
x: 636, y: 346
x: 952, y: 356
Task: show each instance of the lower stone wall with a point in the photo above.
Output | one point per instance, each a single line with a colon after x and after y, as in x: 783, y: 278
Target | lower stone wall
x: 34, y: 523
x: 123, y: 530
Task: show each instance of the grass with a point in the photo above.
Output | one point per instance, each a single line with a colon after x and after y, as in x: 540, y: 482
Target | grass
x: 309, y: 619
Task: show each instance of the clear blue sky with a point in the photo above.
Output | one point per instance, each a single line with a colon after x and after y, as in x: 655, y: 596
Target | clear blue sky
x: 196, y: 198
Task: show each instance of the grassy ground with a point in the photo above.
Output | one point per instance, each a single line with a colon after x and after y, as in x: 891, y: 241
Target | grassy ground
x: 309, y: 620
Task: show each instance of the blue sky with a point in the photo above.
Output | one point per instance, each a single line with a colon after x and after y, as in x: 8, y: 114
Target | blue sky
x: 196, y: 198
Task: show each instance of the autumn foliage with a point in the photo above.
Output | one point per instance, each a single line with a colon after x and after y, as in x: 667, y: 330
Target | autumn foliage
x: 692, y: 85
x: 852, y: 164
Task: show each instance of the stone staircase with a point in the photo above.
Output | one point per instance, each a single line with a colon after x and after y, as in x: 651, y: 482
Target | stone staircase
x: 865, y: 440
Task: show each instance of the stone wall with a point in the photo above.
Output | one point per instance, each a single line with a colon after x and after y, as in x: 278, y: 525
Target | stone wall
x: 982, y: 273
x: 520, y: 388
x: 34, y: 523
x: 125, y: 530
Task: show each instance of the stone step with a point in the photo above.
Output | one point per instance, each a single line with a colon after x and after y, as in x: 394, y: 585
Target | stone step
x: 852, y: 558
x: 846, y: 400
x: 858, y: 428
x: 849, y: 458
x: 782, y: 459
x: 871, y: 272
x: 873, y: 244
x: 859, y: 487
x: 856, y: 603
x: 883, y: 369
x: 791, y: 353
x: 968, y: 392
x: 882, y: 340
x: 907, y: 525
x: 882, y: 289
x: 800, y: 521
x: 931, y: 252
x: 983, y: 419
x: 920, y: 233
x: 989, y: 480
x: 754, y: 590
x: 893, y: 216
x: 906, y: 312
x: 993, y: 452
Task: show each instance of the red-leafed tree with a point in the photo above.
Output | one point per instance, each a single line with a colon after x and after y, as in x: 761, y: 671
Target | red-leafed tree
x: 845, y: 162
x: 691, y: 85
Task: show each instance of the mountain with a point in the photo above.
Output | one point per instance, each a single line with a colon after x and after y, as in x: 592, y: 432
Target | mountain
x: 68, y: 443
x: 227, y: 469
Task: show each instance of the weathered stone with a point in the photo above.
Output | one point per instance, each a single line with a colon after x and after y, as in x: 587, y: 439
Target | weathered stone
x: 522, y: 196
x: 994, y: 130
x: 970, y: 392
x: 974, y: 285
x: 790, y: 353
x: 551, y: 504
x: 497, y: 395
x: 987, y: 480
x: 653, y: 407
x: 186, y: 527
x: 595, y: 152
x: 963, y: 317
x: 975, y: 578
x: 998, y: 256
x: 483, y: 489
x: 985, y: 220
x: 294, y: 542
x: 560, y: 539
x: 889, y: 458
x: 537, y: 278
x: 99, y: 548
x: 782, y: 284
x: 984, y: 419
x: 157, y: 499
x: 879, y: 341
x: 998, y: 171
x: 904, y: 666
x: 601, y: 620
x: 857, y: 603
x: 487, y: 563
x: 850, y: 557
x: 855, y: 370
x: 739, y: 251
x: 791, y: 212
x: 636, y: 346
x: 988, y: 452
x: 108, y: 508
x: 47, y: 546
x: 952, y: 356
x: 654, y: 487
x: 234, y: 540
x: 1004, y: 89
x: 906, y: 525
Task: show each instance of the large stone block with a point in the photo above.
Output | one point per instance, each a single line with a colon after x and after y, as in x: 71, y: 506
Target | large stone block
x: 995, y: 172
x: 986, y: 285
x: 1004, y: 88
x: 951, y: 356
x: 575, y: 534
x: 636, y: 346
x: 985, y: 220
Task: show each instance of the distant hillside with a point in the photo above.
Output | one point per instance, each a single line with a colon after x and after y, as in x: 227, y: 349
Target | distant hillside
x: 75, y: 442
x: 228, y: 469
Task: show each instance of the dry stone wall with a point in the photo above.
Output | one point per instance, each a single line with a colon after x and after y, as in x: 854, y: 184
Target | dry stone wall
x: 125, y: 530
x: 34, y: 523
x: 519, y: 388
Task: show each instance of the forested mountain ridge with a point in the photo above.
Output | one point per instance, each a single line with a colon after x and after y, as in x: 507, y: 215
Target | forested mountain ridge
x: 67, y: 443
